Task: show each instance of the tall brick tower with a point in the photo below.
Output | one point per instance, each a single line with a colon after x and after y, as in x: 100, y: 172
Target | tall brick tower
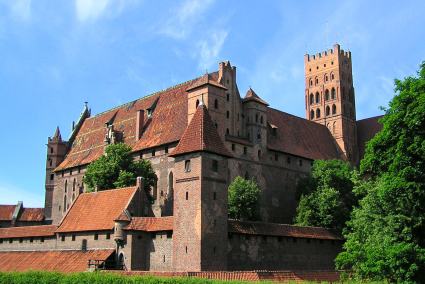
x: 56, y: 150
x: 200, y: 197
x: 330, y: 99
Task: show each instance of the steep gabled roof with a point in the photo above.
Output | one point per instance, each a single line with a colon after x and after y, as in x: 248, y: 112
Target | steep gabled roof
x: 6, y: 212
x: 300, y: 137
x: 284, y: 230
x: 252, y: 96
x: 201, y: 136
x: 63, y: 261
x: 28, y: 231
x: 31, y: 215
x: 206, y: 80
x: 96, y: 210
x: 151, y: 224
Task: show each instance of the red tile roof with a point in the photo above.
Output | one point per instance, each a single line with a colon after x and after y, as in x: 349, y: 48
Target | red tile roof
x: 252, y: 96
x: 28, y: 231
x: 151, y: 224
x: 201, y: 135
x: 300, y: 137
x: 167, y: 124
x: 272, y: 229
x: 62, y: 261
x: 366, y: 130
x: 96, y: 210
x: 31, y: 215
x: 6, y: 212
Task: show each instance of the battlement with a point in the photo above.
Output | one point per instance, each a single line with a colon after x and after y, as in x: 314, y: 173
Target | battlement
x: 330, y: 52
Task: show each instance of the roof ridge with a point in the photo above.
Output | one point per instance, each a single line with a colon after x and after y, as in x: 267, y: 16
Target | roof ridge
x: 295, y: 116
x: 147, y: 96
x: 372, y: 117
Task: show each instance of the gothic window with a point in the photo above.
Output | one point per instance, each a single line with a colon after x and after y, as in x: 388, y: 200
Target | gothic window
x: 73, y: 185
x: 317, y: 80
x: 197, y: 103
x: 333, y: 109
x: 312, y: 114
x: 326, y: 95
x: 228, y: 97
x: 64, y: 203
x: 245, y: 150
x: 187, y: 166
x: 328, y: 110
x: 216, y: 125
x: 66, y: 186
x: 317, y: 97
x: 326, y: 77
x: 311, y: 99
x: 216, y: 104
x: 311, y: 81
x: 333, y: 93
x: 332, y: 75
x: 317, y: 113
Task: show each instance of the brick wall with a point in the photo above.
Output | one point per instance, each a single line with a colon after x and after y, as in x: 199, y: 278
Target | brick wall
x: 255, y: 252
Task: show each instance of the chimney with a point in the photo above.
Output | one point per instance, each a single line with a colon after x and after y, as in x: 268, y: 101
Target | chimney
x: 139, y: 123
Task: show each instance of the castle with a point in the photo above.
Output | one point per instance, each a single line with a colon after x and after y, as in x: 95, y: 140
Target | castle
x: 199, y: 136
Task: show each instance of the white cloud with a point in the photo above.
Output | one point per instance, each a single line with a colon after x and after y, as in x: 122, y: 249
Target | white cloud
x: 91, y: 10
x: 182, y: 20
x: 210, y: 48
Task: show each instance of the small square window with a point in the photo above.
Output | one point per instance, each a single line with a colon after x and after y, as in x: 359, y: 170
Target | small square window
x: 215, y: 165
x: 96, y: 237
x: 1, y: 241
x: 73, y: 237
x: 63, y: 238
x: 153, y: 153
x: 169, y: 234
x: 166, y: 150
x: 187, y: 166
x: 52, y: 177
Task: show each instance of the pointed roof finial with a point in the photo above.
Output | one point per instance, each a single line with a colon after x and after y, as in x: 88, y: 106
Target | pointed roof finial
x: 57, y: 136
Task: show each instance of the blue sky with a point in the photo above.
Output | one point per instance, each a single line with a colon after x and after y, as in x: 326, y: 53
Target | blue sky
x: 54, y: 55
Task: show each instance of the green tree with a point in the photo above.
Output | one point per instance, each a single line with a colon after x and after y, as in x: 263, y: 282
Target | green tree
x: 117, y: 169
x: 386, y: 234
x: 243, y: 198
x: 326, y: 196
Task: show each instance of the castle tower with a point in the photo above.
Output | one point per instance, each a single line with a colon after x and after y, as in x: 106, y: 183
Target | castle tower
x: 329, y: 97
x: 56, y: 150
x: 200, y: 197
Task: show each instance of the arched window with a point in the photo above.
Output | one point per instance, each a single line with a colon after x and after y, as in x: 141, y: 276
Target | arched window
x: 333, y: 93
x: 170, y: 184
x: 311, y: 99
x: 332, y: 76
x: 73, y: 185
x: 216, y: 104
x: 328, y: 110
x: 259, y: 154
x: 326, y: 95
x: 317, y: 97
x: 197, y: 103
x: 64, y: 203
x: 326, y: 78
x: 66, y: 186
x: 333, y: 109
x: 317, y: 80
x: 312, y: 114
x: 311, y: 82
x: 317, y: 113
x: 228, y: 97
x: 227, y: 114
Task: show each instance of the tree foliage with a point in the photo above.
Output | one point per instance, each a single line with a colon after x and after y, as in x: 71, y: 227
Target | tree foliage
x: 117, y: 169
x: 243, y: 197
x: 386, y: 235
x: 326, y: 196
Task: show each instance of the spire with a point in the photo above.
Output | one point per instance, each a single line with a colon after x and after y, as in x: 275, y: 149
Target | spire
x: 57, y: 136
x: 201, y: 136
x: 252, y: 96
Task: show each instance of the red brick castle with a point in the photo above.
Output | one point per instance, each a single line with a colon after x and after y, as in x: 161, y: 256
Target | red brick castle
x: 198, y: 135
